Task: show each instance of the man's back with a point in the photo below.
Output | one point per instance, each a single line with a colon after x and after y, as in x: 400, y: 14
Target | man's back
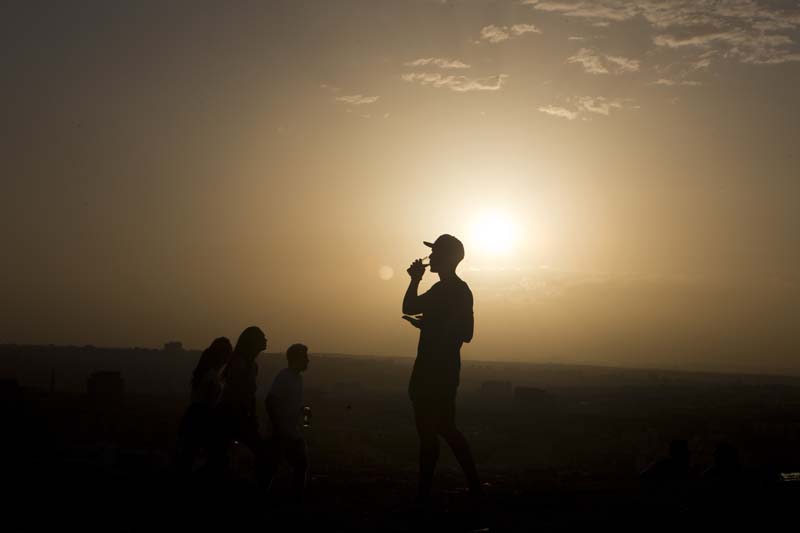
x: 447, y: 323
x: 286, y: 394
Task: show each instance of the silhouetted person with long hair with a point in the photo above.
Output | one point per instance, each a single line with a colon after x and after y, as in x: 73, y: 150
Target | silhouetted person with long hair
x: 445, y: 320
x: 237, y: 406
x: 284, y: 404
x: 197, y: 424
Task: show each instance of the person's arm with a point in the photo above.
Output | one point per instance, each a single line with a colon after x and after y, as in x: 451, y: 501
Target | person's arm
x: 414, y: 321
x: 469, y: 318
x: 412, y: 303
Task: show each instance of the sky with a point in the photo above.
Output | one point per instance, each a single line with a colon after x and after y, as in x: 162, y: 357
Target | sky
x: 624, y: 175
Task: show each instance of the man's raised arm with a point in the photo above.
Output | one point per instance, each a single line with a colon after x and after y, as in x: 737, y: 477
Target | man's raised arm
x: 412, y: 303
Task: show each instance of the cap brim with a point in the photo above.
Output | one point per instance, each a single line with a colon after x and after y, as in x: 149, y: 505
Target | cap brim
x: 428, y: 244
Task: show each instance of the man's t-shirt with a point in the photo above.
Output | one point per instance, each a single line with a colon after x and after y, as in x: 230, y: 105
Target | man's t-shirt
x: 287, y: 393
x: 446, y: 324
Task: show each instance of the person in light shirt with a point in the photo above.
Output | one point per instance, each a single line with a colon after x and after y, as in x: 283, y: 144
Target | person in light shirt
x: 285, y: 409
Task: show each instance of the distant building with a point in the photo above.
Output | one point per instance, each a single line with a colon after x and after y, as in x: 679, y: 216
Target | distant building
x: 173, y: 346
x: 106, y: 389
x: 496, y: 390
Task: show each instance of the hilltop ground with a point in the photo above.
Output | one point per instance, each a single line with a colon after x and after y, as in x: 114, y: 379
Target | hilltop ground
x: 564, y: 455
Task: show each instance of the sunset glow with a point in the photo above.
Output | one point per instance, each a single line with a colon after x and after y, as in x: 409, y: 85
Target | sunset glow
x: 495, y: 234
x: 174, y: 173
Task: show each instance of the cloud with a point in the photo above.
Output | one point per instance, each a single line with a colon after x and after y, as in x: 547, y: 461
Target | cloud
x: 598, y: 104
x: 437, y: 62
x: 623, y: 64
x: 591, y: 62
x: 746, y: 46
x: 596, y: 10
x: 672, y: 83
x: 357, y: 99
x: 700, y: 64
x: 774, y: 59
x: 521, y: 29
x: 698, y: 40
x: 585, y: 106
x: 497, y: 34
x: 746, y: 31
x: 556, y: 111
x: 595, y: 63
x: 673, y: 13
x: 456, y: 83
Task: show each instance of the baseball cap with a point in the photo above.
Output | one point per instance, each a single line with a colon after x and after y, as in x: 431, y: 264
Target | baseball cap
x: 447, y: 245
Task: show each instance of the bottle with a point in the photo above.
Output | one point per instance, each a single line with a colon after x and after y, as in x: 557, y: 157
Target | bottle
x: 307, y: 417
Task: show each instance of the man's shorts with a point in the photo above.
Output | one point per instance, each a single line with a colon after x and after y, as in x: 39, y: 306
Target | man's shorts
x: 434, y: 413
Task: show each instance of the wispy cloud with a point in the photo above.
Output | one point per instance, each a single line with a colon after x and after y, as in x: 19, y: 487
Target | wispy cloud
x: 456, y: 83
x: 595, y: 63
x: 672, y: 83
x: 437, y: 62
x: 557, y: 111
x: 585, y: 106
x: 497, y: 34
x: 599, y: 104
x: 672, y: 13
x: 747, y: 31
x: 357, y: 99
x: 596, y: 10
x: 623, y: 64
x: 747, y: 47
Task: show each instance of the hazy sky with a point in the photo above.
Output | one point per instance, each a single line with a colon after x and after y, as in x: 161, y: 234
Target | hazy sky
x: 624, y: 175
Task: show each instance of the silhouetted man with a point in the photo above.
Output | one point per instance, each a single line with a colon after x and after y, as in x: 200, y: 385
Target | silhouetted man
x: 285, y: 409
x: 444, y: 317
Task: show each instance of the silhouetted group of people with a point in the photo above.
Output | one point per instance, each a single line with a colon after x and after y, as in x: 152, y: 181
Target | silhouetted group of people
x: 223, y: 408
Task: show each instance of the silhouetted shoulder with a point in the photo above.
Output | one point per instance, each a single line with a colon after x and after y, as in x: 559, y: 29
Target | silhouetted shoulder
x: 460, y: 292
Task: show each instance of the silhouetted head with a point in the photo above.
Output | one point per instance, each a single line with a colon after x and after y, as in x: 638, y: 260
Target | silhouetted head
x: 679, y: 451
x: 251, y: 342
x: 297, y: 356
x: 446, y: 253
x: 213, y: 358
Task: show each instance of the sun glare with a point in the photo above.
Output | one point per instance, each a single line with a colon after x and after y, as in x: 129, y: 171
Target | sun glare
x: 494, y: 233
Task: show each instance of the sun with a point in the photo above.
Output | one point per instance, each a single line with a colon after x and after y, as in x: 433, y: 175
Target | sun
x: 494, y: 233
